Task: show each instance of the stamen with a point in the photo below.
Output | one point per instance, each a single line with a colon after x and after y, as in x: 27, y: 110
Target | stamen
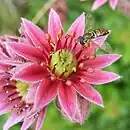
x: 52, y: 44
x: 93, y: 56
x: 63, y: 63
x: 72, y: 35
x: 74, y: 69
x: 60, y: 34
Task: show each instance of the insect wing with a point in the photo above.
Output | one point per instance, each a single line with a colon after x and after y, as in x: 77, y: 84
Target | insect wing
x: 89, y: 20
x: 106, y: 47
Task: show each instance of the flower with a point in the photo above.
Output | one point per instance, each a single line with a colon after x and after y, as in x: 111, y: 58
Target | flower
x: 15, y: 96
x: 60, y: 68
x: 99, y: 3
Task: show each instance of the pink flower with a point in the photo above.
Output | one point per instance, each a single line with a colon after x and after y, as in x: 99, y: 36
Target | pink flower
x: 15, y: 96
x: 99, y: 3
x: 60, y: 68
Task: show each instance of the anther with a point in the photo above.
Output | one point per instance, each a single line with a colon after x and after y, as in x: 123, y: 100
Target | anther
x: 60, y: 34
x: 93, y: 56
x: 67, y: 36
x: 84, y: 57
x: 72, y: 35
x: 74, y: 69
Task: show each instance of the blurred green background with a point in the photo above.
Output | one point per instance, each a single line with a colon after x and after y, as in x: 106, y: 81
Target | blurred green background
x: 116, y: 95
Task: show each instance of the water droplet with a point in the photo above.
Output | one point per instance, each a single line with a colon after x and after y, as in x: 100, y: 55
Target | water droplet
x: 68, y: 82
x: 53, y: 78
x: 23, y: 109
x: 7, y: 84
x: 81, y: 65
x: 90, y: 70
x: 42, y: 64
x: 7, y: 92
x: 10, y: 99
x: 15, y: 105
x: 82, y: 80
x: 27, y: 106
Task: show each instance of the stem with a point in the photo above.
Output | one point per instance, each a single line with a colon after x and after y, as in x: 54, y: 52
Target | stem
x: 42, y: 11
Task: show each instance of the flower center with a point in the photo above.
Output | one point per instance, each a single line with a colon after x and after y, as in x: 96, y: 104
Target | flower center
x: 63, y: 63
x: 22, y: 88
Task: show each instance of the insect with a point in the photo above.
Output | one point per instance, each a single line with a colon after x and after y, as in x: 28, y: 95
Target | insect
x: 85, y: 40
x: 92, y: 35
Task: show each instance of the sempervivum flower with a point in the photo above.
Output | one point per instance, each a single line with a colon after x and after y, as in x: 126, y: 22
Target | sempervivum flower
x: 98, y: 3
x: 61, y: 67
x: 15, y: 96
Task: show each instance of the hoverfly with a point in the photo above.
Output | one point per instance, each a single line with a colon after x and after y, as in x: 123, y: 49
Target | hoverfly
x: 86, y: 39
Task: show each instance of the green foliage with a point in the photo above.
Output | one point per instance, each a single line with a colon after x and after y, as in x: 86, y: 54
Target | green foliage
x: 116, y: 95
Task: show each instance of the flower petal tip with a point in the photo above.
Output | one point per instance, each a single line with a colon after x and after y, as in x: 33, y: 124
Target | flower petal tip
x: 102, y: 105
x: 52, y: 12
x: 23, y: 19
x: 109, y: 31
x: 93, y: 8
x: 113, y: 7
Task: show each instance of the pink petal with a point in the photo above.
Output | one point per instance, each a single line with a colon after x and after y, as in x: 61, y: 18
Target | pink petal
x: 54, y: 25
x: 67, y: 99
x: 31, y: 93
x: 78, y: 26
x: 6, y: 107
x: 35, y: 33
x: 41, y: 119
x: 31, y: 73
x: 98, y: 3
x: 89, y: 93
x: 28, y: 52
x: 101, y: 61
x: 113, y: 3
x: 4, y: 67
x: 11, y: 62
x: 27, y: 123
x: 82, y: 110
x: 45, y: 93
x: 9, y: 50
x: 14, y: 119
x: 98, y: 77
